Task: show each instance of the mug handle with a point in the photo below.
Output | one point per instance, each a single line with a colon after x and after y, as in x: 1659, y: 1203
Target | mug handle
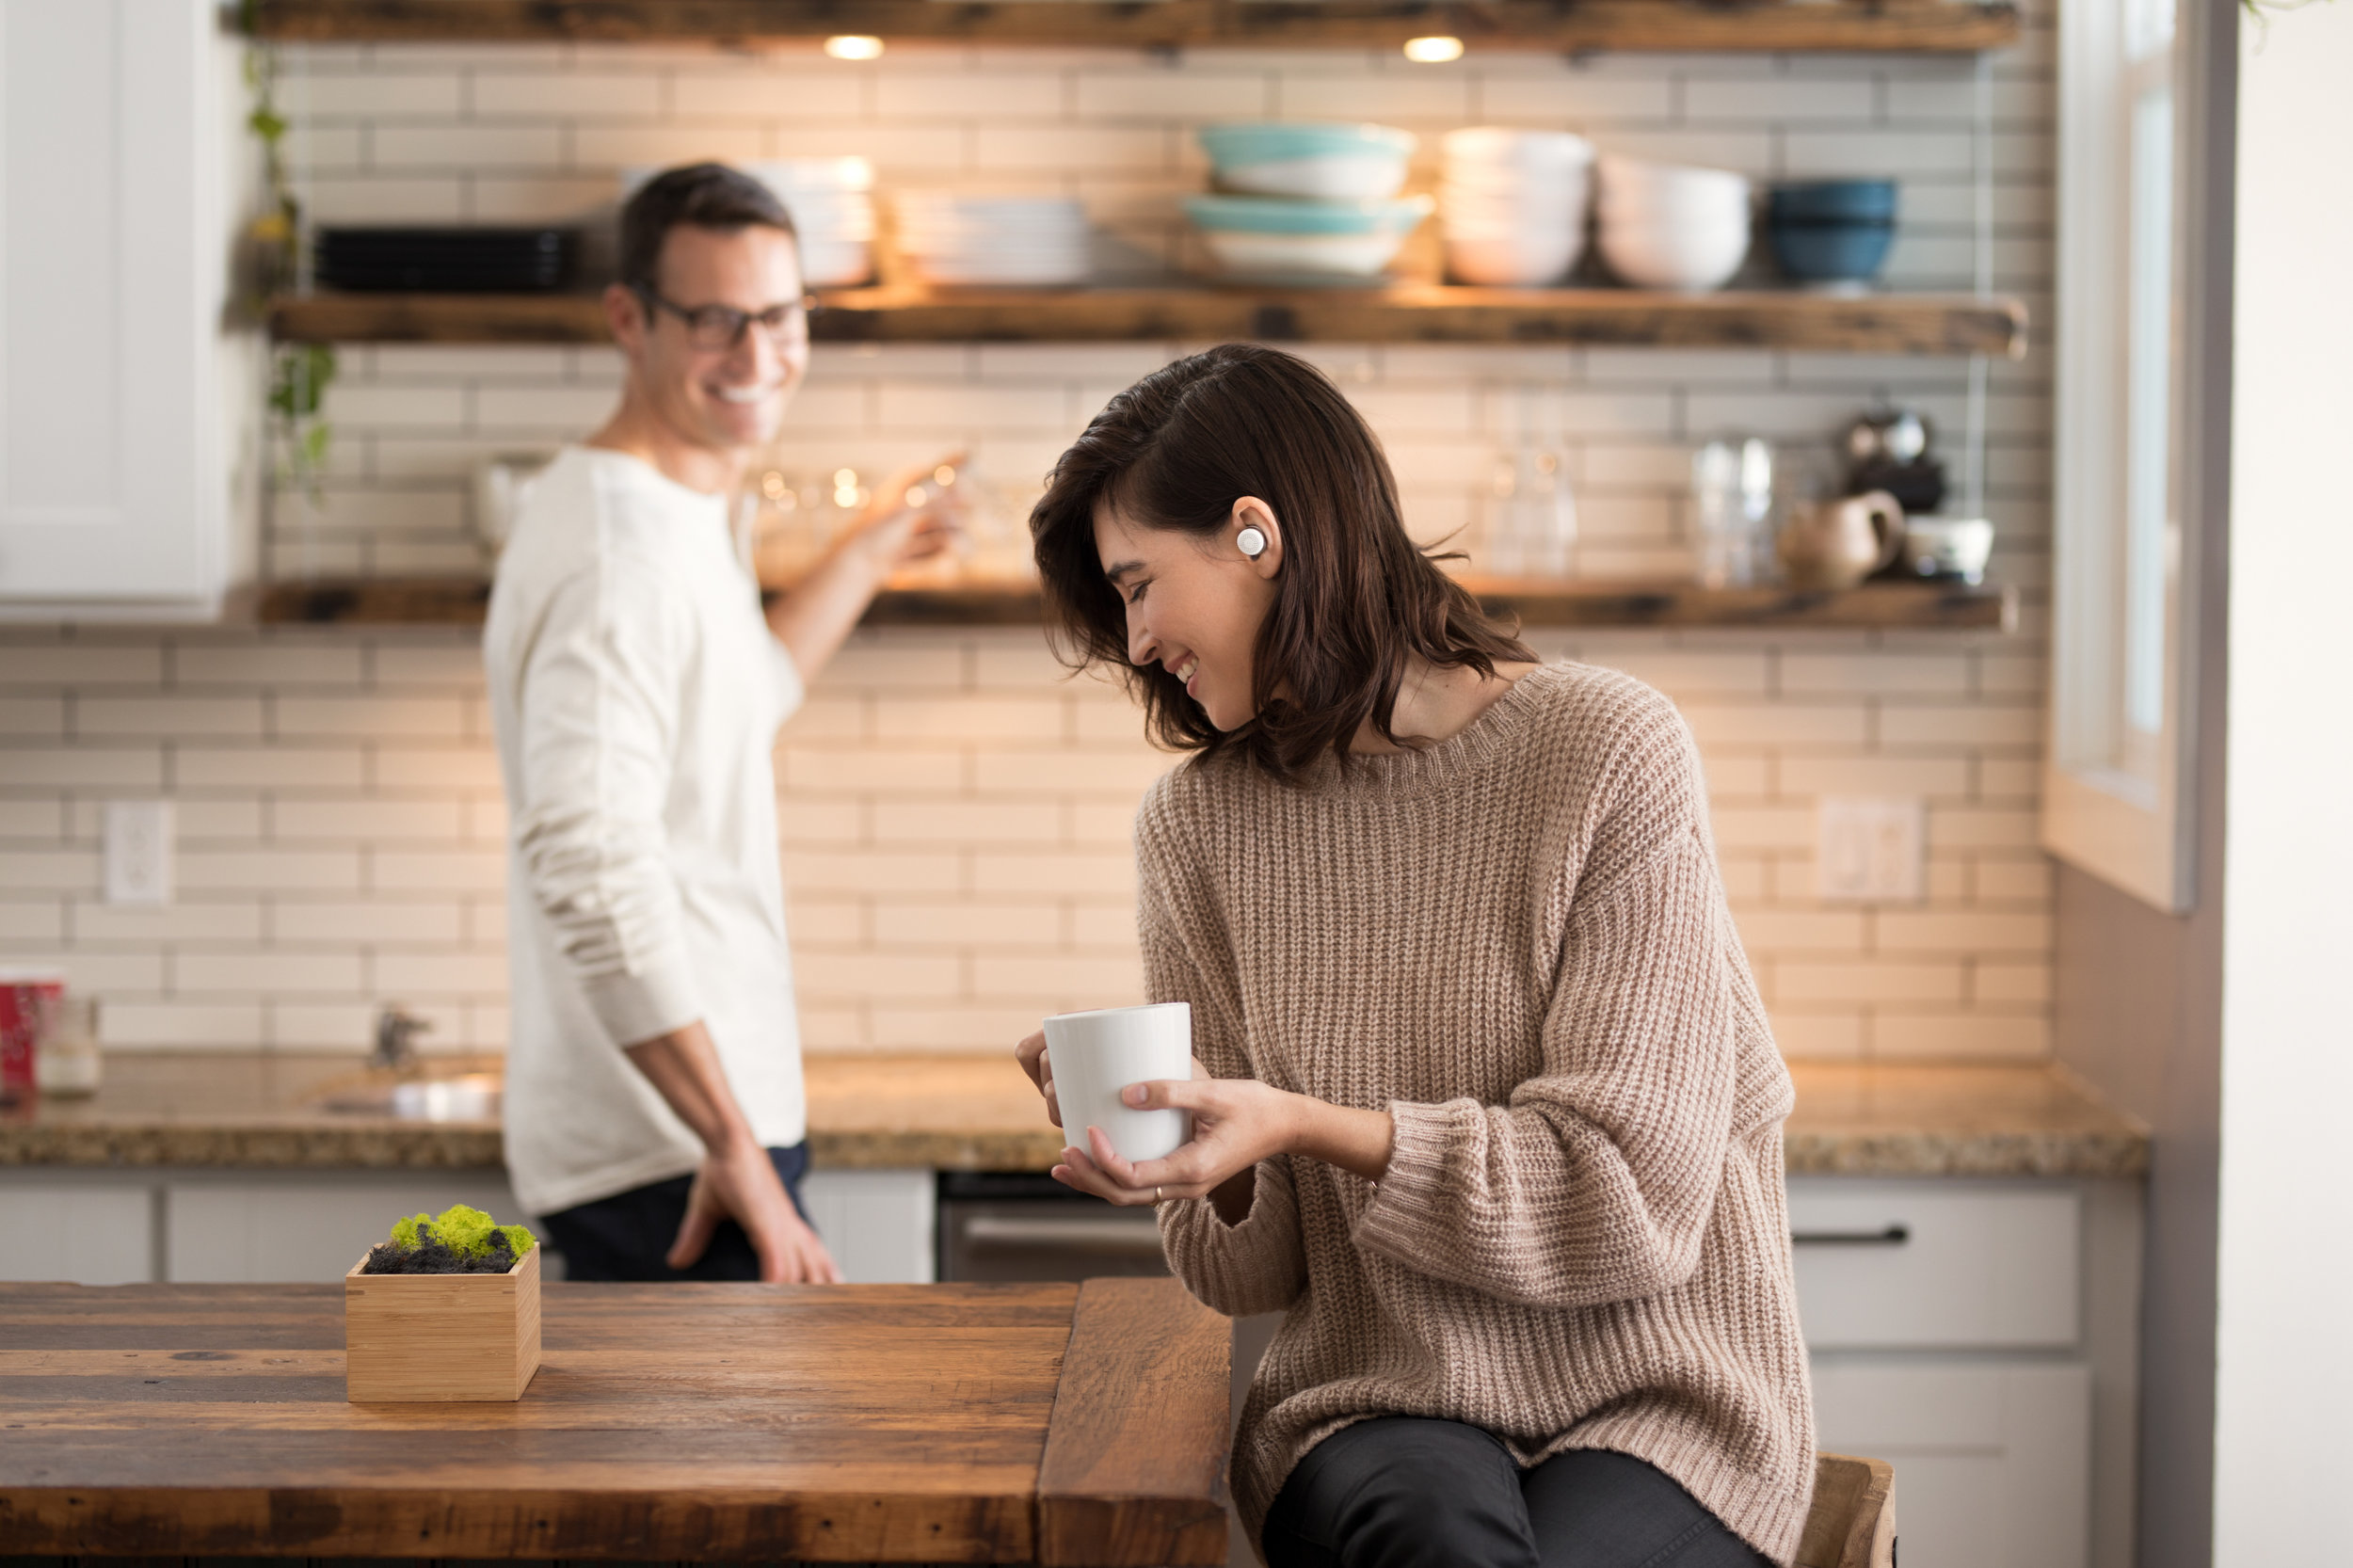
x: 1887, y: 520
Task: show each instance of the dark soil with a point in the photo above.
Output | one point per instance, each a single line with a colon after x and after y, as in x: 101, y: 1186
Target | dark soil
x: 431, y: 1256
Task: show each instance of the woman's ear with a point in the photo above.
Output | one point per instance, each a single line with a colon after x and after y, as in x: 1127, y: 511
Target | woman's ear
x: 1253, y: 533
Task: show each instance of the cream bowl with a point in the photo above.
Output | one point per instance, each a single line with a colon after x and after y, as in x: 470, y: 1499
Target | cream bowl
x: 1685, y: 259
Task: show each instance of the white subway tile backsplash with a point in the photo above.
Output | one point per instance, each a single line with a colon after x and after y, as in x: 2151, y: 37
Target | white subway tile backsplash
x: 956, y: 811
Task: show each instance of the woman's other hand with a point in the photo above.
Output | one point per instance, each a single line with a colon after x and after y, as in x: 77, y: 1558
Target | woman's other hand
x: 1031, y: 1053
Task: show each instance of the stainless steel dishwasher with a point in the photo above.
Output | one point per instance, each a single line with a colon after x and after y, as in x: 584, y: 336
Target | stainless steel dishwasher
x: 1019, y: 1226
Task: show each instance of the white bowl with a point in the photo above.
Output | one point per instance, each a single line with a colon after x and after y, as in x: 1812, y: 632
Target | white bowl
x: 1321, y: 177
x: 1515, y: 260
x: 1250, y: 254
x: 1550, y: 208
x: 1500, y: 147
x: 1685, y: 260
x: 1668, y: 192
x: 832, y: 264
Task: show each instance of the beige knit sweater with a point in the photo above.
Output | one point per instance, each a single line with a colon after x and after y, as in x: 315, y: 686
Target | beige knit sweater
x: 1516, y: 942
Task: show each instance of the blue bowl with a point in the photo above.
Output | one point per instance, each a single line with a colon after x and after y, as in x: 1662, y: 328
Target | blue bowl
x: 1274, y: 215
x: 1270, y: 141
x: 1833, y: 201
x: 1831, y: 252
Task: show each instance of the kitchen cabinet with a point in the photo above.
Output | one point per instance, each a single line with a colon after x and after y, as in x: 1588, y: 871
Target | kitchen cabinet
x: 1979, y: 1337
x: 259, y: 1227
x: 75, y: 1231
x: 119, y: 385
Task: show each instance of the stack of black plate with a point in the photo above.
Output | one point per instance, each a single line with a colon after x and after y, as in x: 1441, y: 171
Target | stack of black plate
x: 447, y: 261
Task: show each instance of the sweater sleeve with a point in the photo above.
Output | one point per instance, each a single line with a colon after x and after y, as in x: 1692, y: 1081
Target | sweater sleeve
x: 1259, y: 1265
x: 1595, y: 1182
x: 600, y: 695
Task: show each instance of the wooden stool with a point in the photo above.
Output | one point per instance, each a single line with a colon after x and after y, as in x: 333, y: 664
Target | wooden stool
x: 1852, y: 1521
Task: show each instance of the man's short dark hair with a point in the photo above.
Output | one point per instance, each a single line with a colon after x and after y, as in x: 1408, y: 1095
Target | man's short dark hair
x: 708, y: 196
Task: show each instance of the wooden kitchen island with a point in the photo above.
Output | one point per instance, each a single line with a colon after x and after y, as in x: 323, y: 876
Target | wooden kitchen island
x: 1051, y: 1424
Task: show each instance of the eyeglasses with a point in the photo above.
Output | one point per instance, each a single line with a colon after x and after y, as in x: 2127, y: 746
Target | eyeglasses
x: 718, y: 327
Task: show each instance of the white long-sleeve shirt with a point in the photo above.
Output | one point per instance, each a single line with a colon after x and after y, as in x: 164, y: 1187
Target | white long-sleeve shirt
x: 636, y: 693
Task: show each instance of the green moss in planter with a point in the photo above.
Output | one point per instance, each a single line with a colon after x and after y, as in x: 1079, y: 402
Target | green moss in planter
x: 462, y: 1242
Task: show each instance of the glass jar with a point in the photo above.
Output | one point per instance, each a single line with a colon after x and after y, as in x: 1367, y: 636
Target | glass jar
x: 67, y: 1066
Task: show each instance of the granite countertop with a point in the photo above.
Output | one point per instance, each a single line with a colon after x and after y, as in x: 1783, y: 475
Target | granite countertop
x: 252, y: 1109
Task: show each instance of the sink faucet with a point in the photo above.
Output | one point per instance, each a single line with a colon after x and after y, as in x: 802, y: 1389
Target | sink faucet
x: 396, y: 1029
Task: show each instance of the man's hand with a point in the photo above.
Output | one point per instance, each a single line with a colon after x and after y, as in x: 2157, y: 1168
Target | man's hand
x: 739, y: 1183
x: 736, y: 1180
x: 909, y: 519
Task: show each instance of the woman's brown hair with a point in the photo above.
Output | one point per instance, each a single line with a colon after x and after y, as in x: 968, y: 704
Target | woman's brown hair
x: 1356, y: 599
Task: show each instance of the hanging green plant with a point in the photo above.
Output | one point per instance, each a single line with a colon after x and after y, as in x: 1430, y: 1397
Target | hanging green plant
x: 299, y: 372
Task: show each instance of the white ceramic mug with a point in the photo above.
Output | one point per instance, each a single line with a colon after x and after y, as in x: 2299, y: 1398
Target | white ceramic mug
x: 1095, y: 1055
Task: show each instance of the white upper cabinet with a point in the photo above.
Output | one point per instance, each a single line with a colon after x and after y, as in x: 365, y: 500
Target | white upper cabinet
x: 114, y: 355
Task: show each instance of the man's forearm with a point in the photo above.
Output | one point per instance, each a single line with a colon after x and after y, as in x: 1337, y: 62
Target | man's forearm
x: 684, y: 1066
x: 816, y: 617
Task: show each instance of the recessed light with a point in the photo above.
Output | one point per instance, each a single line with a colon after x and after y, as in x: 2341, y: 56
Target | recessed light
x: 859, y: 46
x: 1433, y: 50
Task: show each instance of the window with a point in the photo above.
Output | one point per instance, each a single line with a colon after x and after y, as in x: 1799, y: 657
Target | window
x: 2115, y: 796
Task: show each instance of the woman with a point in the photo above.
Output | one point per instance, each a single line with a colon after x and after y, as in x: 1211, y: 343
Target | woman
x: 1485, y: 1101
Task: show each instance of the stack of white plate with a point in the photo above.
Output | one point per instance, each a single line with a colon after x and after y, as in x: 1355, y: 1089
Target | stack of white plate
x: 1664, y: 226
x: 1512, y: 204
x: 972, y: 237
x: 832, y: 203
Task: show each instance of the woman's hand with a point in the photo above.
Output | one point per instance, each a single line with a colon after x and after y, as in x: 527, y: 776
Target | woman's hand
x: 1031, y: 1053
x: 1237, y: 1122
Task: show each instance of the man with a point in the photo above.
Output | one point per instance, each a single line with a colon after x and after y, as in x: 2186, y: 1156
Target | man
x: 654, y: 1109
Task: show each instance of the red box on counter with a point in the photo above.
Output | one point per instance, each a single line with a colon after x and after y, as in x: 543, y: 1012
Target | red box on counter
x: 28, y: 999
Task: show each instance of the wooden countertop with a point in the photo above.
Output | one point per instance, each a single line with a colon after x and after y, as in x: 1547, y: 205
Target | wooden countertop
x: 1053, y: 1424
x: 977, y: 1112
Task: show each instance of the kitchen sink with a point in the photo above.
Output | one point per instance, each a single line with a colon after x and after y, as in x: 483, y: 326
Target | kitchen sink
x: 457, y: 1096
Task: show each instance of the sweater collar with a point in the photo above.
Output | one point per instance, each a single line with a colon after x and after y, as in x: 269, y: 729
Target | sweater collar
x: 1449, y: 763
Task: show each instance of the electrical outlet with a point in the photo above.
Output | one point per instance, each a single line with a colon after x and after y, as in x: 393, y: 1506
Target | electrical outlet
x: 1871, y: 849
x: 138, y: 852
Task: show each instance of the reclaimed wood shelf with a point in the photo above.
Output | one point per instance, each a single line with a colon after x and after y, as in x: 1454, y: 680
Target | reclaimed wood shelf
x: 1411, y: 312
x: 1600, y: 604
x: 1934, y: 26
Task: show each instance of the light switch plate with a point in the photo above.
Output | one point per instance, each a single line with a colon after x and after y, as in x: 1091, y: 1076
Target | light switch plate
x: 139, y: 836
x: 1871, y: 849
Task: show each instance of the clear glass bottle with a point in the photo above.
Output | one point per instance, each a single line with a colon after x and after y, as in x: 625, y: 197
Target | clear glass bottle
x: 1732, y: 512
x: 1532, y: 509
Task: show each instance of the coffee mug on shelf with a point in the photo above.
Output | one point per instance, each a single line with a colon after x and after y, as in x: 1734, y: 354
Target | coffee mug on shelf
x: 1095, y: 1055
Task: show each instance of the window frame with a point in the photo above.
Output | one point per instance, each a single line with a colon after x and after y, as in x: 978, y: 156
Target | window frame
x: 2118, y: 804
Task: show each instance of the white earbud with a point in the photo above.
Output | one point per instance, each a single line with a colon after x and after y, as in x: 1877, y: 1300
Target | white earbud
x: 1251, y: 542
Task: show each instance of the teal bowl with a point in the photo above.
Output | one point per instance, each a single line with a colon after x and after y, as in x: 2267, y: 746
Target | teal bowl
x: 1239, y: 146
x: 1269, y: 214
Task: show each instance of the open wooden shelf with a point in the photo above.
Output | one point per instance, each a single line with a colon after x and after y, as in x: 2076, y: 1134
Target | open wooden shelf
x: 1407, y: 312
x: 1887, y: 606
x: 1942, y: 27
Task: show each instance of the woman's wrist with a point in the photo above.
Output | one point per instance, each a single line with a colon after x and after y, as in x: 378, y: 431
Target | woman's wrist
x: 1355, y: 1141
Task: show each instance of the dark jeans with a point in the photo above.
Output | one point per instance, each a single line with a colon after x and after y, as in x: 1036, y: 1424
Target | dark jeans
x: 626, y: 1237
x: 1401, y: 1492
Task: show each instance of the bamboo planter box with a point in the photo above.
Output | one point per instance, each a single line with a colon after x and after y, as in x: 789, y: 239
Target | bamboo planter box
x: 441, y: 1337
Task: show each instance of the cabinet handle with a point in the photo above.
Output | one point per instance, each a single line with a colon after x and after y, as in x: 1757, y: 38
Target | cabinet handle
x: 1893, y: 1236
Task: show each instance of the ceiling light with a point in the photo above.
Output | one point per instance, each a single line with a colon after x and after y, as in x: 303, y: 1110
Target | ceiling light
x: 858, y: 46
x: 1433, y: 50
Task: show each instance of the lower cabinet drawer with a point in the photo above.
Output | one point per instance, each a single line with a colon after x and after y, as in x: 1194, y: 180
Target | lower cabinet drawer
x: 1905, y: 1264
x: 75, y: 1232
x: 1993, y: 1459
